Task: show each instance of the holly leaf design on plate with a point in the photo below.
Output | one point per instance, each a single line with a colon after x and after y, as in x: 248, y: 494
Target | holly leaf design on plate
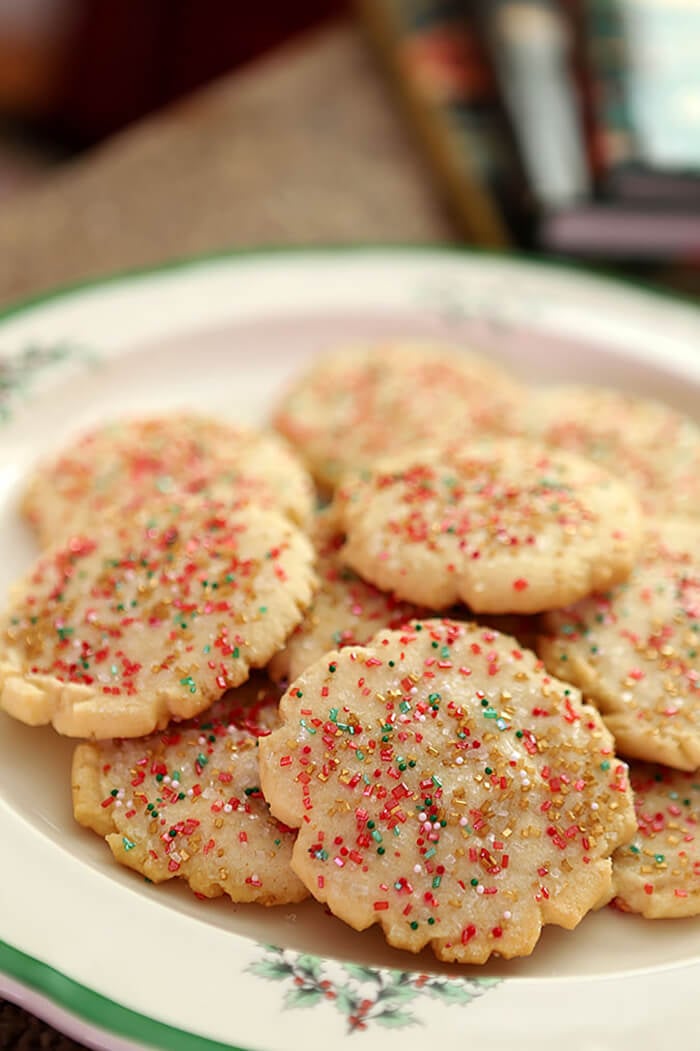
x: 272, y: 969
x: 392, y: 1019
x: 302, y: 997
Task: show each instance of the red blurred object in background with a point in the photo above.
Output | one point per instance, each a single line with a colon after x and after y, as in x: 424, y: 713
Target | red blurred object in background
x: 99, y: 66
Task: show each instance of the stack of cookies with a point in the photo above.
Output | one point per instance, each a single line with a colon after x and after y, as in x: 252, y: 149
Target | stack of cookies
x: 417, y: 704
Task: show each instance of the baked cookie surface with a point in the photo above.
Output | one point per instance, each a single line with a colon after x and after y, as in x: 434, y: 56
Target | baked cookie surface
x: 362, y: 402
x: 131, y: 463
x: 635, y: 650
x: 657, y: 873
x: 345, y: 611
x: 152, y: 617
x: 447, y: 788
x: 504, y: 525
x: 654, y: 448
x: 186, y: 803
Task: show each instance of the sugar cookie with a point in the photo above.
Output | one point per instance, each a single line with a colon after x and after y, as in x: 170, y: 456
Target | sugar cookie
x: 658, y: 872
x: 448, y: 789
x: 362, y: 402
x: 187, y: 802
x: 133, y: 463
x: 635, y: 650
x: 156, y: 616
x: 504, y: 525
x: 652, y: 446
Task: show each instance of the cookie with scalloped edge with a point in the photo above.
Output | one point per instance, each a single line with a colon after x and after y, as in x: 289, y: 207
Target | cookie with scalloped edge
x: 448, y: 789
x: 186, y: 803
x: 361, y: 402
x: 345, y: 611
x: 132, y: 463
x: 654, y: 448
x: 151, y: 617
x: 657, y: 873
x: 504, y: 525
x: 635, y: 650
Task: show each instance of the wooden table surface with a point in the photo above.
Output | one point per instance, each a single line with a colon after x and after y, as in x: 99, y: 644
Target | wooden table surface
x: 303, y: 148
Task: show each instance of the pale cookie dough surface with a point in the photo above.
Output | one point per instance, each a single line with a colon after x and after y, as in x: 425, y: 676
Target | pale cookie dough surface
x: 657, y: 873
x: 186, y: 803
x: 156, y: 616
x: 504, y: 525
x: 362, y: 402
x: 448, y: 789
x: 654, y: 448
x: 635, y: 650
x: 346, y: 611
x: 138, y: 462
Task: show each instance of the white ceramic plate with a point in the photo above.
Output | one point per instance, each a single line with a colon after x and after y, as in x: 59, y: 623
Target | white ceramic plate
x: 121, y: 964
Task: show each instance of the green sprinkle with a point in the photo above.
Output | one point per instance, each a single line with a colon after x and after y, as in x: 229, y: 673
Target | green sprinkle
x: 605, y: 765
x: 474, y: 882
x: 128, y: 845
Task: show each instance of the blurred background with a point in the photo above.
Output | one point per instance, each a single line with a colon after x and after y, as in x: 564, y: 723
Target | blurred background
x: 565, y: 127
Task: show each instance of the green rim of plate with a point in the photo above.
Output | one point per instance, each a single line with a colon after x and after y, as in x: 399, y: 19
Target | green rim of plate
x: 77, y: 999
x: 572, y: 267
x: 97, y: 1010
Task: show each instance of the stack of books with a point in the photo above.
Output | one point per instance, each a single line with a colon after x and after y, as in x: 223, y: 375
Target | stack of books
x: 568, y: 126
